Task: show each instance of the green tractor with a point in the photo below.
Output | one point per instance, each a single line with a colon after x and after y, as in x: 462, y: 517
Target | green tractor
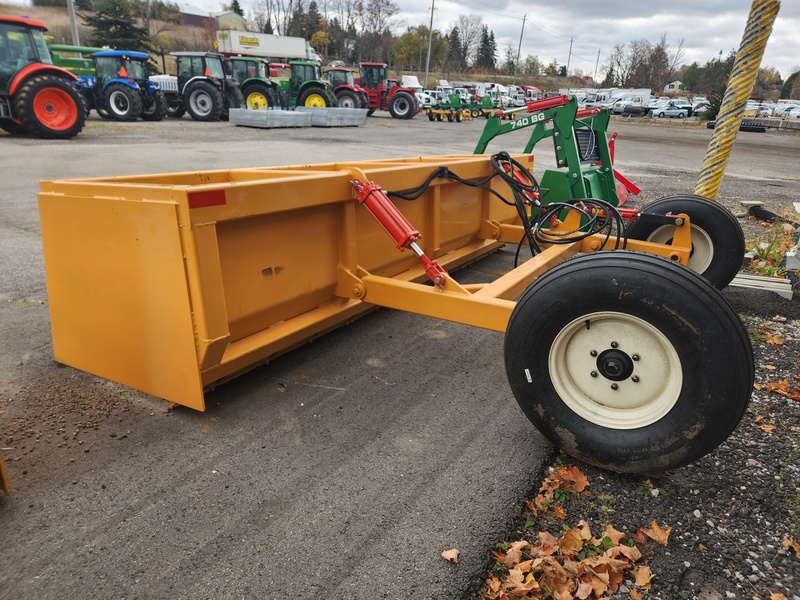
x: 304, y: 86
x: 259, y: 91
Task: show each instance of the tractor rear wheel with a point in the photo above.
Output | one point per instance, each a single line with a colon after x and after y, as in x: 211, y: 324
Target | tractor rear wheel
x: 717, y: 238
x: 177, y: 110
x: 48, y: 106
x: 122, y: 102
x: 402, y: 105
x: 204, y: 102
x: 628, y: 361
x: 12, y: 127
x: 259, y: 96
x: 348, y: 99
x: 233, y: 99
x: 157, y: 109
x: 314, y: 96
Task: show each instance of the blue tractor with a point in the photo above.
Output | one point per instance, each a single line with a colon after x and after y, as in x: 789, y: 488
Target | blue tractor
x: 121, y: 89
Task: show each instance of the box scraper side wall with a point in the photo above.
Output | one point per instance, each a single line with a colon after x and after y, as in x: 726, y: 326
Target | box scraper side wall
x: 172, y: 283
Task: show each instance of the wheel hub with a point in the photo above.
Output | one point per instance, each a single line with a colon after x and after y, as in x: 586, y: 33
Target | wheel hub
x: 615, y: 365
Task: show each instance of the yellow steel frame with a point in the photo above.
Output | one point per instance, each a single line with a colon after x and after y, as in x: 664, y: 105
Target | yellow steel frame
x: 173, y: 283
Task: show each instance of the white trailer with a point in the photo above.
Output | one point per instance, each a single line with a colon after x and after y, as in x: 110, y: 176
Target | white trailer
x: 265, y: 45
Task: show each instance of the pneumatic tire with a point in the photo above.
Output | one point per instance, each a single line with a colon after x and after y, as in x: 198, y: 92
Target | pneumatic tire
x: 204, y: 102
x: 49, y: 107
x: 348, y: 99
x: 157, y: 109
x: 717, y: 238
x: 122, y: 102
x: 628, y: 361
x: 259, y: 96
x: 402, y: 105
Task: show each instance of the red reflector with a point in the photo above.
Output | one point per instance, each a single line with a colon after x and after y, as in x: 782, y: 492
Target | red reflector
x: 210, y: 198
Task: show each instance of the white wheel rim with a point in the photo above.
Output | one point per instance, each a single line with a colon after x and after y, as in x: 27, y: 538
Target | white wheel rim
x: 119, y: 103
x: 702, y: 246
x: 201, y: 103
x: 583, y: 355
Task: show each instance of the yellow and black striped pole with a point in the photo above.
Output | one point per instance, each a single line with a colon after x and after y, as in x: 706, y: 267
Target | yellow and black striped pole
x: 740, y: 86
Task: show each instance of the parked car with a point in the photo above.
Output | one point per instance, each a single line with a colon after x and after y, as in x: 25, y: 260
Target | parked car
x: 792, y: 113
x: 783, y: 109
x: 671, y: 110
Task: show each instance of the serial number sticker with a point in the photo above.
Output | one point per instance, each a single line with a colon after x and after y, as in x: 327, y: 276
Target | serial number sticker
x: 528, y: 376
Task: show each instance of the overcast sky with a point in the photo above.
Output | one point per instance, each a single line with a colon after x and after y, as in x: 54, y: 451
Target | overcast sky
x: 706, y: 26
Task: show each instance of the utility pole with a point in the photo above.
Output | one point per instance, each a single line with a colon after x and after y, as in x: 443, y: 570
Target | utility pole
x: 569, y: 56
x: 76, y: 40
x: 597, y: 64
x: 516, y: 66
x: 430, y: 41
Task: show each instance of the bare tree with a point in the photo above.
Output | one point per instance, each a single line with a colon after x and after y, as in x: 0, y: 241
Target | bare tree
x: 627, y: 61
x: 374, y: 19
x: 277, y: 13
x: 470, y: 28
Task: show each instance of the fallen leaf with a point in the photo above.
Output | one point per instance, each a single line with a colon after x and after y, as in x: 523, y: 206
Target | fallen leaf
x: 779, y: 319
x: 770, y: 367
x: 766, y: 428
x: 702, y: 546
x: 657, y: 534
x: 571, y: 542
x: 451, y: 555
x: 584, y: 590
x: 558, y: 511
x: 632, y: 553
x: 758, y: 419
x: 638, y: 537
x: 636, y: 595
x: 573, y: 475
x: 643, y: 576
x: 793, y: 544
x: 614, y: 535
x: 775, y: 596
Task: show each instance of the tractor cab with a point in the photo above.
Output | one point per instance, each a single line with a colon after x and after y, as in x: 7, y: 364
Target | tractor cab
x: 374, y: 76
x: 301, y: 73
x: 192, y: 65
x: 121, y: 64
x: 244, y: 68
x: 21, y: 43
x: 339, y: 77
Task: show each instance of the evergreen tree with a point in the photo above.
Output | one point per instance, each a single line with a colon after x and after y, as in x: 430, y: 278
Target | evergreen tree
x: 237, y: 8
x: 791, y: 87
x: 487, y: 51
x: 114, y: 25
x: 455, y: 52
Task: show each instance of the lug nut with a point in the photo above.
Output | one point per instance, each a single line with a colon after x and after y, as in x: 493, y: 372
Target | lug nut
x: 593, y: 373
x: 614, y: 344
x: 593, y: 353
x: 614, y: 386
x: 635, y: 379
x: 635, y: 357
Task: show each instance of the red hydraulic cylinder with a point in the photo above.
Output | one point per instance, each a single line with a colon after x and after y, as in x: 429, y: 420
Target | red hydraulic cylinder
x: 372, y: 197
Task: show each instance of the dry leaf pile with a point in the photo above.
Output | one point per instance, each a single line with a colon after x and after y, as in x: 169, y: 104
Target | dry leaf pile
x: 577, y: 564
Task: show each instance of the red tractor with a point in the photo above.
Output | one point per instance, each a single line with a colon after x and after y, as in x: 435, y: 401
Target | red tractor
x: 36, y: 97
x: 348, y: 93
x: 399, y: 101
